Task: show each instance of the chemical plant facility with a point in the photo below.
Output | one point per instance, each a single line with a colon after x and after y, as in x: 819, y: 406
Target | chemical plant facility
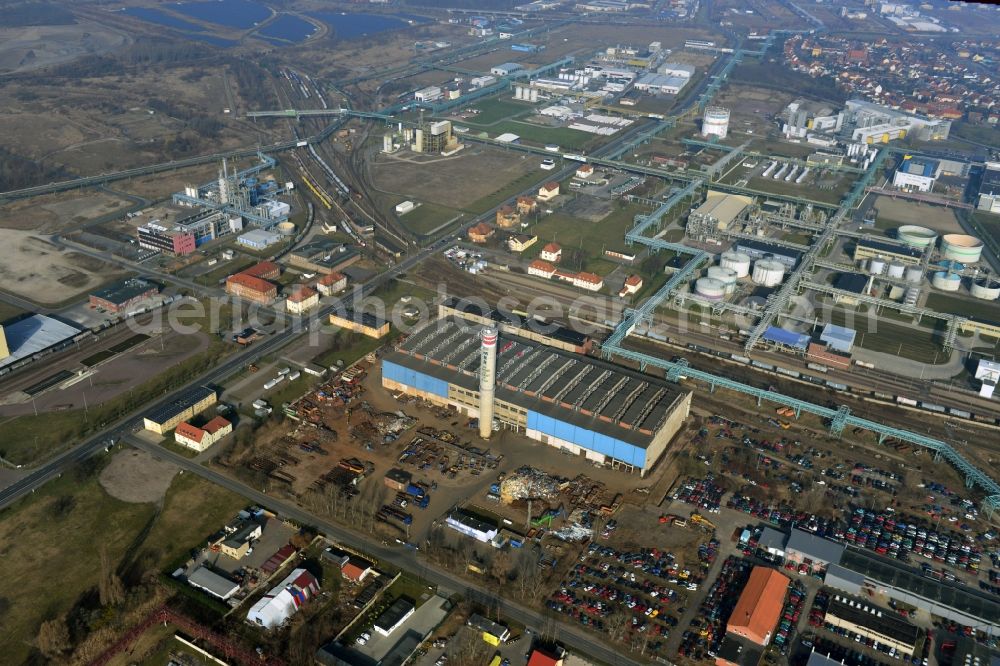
x: 573, y: 402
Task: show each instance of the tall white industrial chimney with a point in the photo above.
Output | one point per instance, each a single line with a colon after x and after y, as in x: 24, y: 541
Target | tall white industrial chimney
x: 487, y: 380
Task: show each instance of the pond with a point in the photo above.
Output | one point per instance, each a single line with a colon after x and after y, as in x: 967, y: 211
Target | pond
x: 161, y: 18
x: 351, y: 26
x: 287, y: 28
x: 240, y: 14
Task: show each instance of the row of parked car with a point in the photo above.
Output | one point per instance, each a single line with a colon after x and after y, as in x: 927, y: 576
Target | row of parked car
x: 704, y: 636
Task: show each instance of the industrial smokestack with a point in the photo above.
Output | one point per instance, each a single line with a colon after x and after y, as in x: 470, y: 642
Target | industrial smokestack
x: 487, y: 380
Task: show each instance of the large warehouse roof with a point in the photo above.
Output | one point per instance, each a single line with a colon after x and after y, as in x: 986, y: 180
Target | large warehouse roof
x: 192, y: 396
x: 757, y: 612
x: 34, y: 334
x: 573, y: 388
x: 561, y: 333
x: 722, y: 207
x: 815, y: 548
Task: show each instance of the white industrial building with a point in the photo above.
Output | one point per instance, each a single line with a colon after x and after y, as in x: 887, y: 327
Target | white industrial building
x: 505, y: 69
x: 676, y: 69
x: 471, y: 526
x: 917, y: 173
x: 988, y: 372
x: 428, y: 94
x: 661, y: 84
x: 258, y: 239
x: 482, y: 81
x: 215, y: 584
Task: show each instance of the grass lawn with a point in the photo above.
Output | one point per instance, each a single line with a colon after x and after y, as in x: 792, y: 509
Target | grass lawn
x: 289, y: 391
x: 987, y: 227
x: 495, y: 109
x: 968, y: 307
x: 593, y: 237
x: 985, y: 135
x: 54, y: 530
x: 427, y: 217
x: 212, y: 278
x: 8, y: 311
x: 516, y: 186
x: 348, y: 347
x: 918, y: 344
x: 570, y: 139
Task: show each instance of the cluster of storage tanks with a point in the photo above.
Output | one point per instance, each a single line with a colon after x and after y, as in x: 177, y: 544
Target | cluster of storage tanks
x: 895, y: 270
x: 862, y: 154
x: 955, y: 247
x: 720, y: 281
x: 783, y: 172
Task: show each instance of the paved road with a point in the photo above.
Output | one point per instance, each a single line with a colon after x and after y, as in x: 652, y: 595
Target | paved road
x: 397, y: 556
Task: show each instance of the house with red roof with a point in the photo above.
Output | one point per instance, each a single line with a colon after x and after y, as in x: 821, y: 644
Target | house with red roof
x: 201, y: 438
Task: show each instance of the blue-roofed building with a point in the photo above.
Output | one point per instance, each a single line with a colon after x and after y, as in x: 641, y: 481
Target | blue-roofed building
x: 838, y: 338
x: 917, y: 173
x: 785, y: 338
x: 580, y: 404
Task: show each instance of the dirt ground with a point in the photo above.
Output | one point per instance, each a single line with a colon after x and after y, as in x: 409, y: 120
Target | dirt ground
x: 35, y: 269
x: 28, y: 48
x: 53, y: 213
x: 938, y: 218
x: 480, y: 172
x: 135, y: 476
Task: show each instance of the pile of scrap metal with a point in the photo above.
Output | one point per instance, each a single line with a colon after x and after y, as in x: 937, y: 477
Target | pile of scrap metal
x: 528, y: 483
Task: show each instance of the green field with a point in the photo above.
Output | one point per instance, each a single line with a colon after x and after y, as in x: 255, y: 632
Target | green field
x: 987, y: 227
x: 427, y: 217
x: 569, y: 139
x: 58, y: 530
x: 494, y: 110
x: 988, y: 136
x: 968, y: 307
x: 509, y: 190
x: 592, y: 237
x: 912, y: 342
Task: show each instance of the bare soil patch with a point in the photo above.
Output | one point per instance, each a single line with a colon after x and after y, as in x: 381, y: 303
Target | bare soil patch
x: 938, y: 218
x: 137, y: 477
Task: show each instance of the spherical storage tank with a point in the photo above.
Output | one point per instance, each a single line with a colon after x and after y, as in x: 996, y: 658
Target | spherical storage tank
x: 987, y: 289
x: 768, y: 272
x: 916, y: 236
x: 876, y: 266
x: 967, y: 249
x: 913, y: 274
x: 727, y: 276
x: 710, y: 288
x: 946, y: 281
x: 286, y: 228
x: 896, y: 270
x: 737, y: 261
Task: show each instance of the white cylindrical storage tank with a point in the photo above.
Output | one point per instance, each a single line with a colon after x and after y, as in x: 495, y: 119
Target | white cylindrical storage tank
x: 896, y: 270
x: 791, y: 174
x: 946, y: 281
x: 768, y: 272
x: 967, y: 249
x: 987, y: 289
x: 738, y: 262
x: 803, y: 175
x: 726, y: 276
x: 916, y: 236
x: 710, y: 288
x: 533, y: 94
x: 286, y: 229
x: 913, y: 274
x: 876, y: 266
x: 769, y: 169
x: 715, y: 122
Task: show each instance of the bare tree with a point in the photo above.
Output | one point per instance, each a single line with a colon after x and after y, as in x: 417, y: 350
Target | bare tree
x: 109, y: 587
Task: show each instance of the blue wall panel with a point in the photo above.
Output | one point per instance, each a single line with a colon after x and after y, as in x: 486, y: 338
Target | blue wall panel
x: 588, y: 439
x: 417, y: 380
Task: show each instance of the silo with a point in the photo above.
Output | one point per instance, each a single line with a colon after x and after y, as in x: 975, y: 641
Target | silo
x: 737, y: 261
x: 768, y: 272
x: 967, y: 249
x: 896, y: 270
x: 487, y: 380
x: 946, y: 281
x: 876, y: 266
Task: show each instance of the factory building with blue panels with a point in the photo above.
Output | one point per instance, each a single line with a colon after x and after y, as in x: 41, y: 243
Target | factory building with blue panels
x: 588, y: 407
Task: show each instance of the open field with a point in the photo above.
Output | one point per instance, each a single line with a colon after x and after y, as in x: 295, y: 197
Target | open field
x: 540, y: 134
x: 428, y: 217
x: 897, y: 212
x: 909, y: 342
x: 963, y: 305
x: 55, y: 212
x: 495, y: 109
x: 26, y: 48
x: 479, y: 171
x: 987, y: 226
x: 39, y: 271
x: 53, y: 530
x: 592, y: 237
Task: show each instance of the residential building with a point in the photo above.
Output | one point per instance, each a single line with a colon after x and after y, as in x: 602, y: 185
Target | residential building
x: 507, y: 217
x: 759, y: 607
x: 302, y: 299
x: 585, y: 171
x: 237, y: 537
x: 633, y: 283
x: 540, y: 657
x: 331, y: 283
x: 541, y: 268
x: 616, y: 416
x: 251, y: 288
x: 394, y: 616
x: 165, y: 418
x: 588, y: 281
x: 551, y: 252
x: 284, y: 599
x: 123, y: 295
x: 356, y: 569
x: 480, y: 233
x: 917, y: 173
x: 361, y: 322
x: 526, y: 205
x: 201, y: 438
x: 521, y: 242
x: 548, y: 191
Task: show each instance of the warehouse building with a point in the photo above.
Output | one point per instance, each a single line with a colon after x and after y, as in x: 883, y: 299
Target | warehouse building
x: 860, y: 616
x: 215, y: 584
x: 838, y: 338
x: 756, y: 249
x: 596, y: 410
x: 395, y: 615
x: 510, y: 323
x: 661, y: 84
x: 22, y: 339
x: 759, y: 607
x: 361, y: 322
x: 258, y: 239
x: 322, y: 255
x: 123, y: 295
x: 192, y: 401
x: 869, y: 248
x: 719, y: 210
x: 505, y: 69
x: 816, y: 552
x: 471, y: 526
